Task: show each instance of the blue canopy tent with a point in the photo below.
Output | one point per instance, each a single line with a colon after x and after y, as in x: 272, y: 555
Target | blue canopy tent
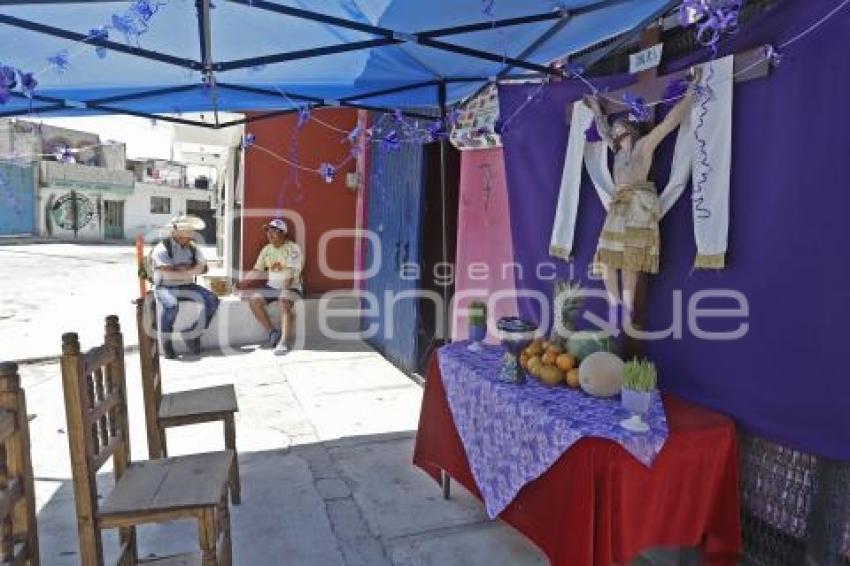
x: 260, y: 55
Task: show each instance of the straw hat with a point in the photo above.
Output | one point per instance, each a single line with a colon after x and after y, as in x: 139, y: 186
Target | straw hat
x: 185, y: 223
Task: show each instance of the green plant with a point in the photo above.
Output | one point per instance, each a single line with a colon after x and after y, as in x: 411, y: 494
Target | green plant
x: 640, y: 375
x: 568, y: 301
x: 477, y: 313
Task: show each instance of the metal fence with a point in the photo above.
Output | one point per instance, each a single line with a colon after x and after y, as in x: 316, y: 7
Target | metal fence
x: 796, y: 507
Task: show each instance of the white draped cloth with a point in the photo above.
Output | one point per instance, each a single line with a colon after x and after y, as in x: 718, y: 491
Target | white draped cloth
x: 703, y: 154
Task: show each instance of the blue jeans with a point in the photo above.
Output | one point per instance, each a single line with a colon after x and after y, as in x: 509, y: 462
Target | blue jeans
x: 168, y: 299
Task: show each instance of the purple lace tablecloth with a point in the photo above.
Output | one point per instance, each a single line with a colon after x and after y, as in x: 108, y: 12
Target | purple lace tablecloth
x: 512, y: 434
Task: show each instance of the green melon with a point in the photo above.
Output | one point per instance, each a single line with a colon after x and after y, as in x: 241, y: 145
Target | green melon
x: 582, y: 344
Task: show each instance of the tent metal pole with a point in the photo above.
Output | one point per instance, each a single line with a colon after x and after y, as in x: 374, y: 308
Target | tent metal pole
x: 98, y: 42
x: 265, y: 116
x: 342, y: 102
x: 485, y: 55
x: 25, y: 111
x: 494, y: 24
x: 267, y: 92
x: 385, y: 91
x: 205, y: 40
x: 116, y: 110
x: 442, y: 97
x: 142, y: 94
x: 316, y: 17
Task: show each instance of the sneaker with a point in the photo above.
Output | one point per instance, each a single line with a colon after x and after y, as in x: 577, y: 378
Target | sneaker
x: 168, y: 350
x: 281, y: 349
x: 273, y: 339
x: 194, y: 346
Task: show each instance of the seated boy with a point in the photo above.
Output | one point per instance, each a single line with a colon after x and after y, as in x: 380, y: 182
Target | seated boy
x: 280, y: 263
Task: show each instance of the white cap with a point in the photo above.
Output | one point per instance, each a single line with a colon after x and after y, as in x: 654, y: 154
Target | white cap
x: 277, y: 224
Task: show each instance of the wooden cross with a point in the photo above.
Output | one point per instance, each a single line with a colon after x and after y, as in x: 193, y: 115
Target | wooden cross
x: 748, y: 65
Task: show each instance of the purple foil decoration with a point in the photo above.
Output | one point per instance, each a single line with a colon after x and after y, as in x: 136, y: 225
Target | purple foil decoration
x: 127, y: 25
x: 638, y: 110
x: 391, y: 141
x: 59, y: 62
x: 354, y: 135
x: 303, y: 117
x: 591, y: 134
x: 437, y: 130
x: 574, y: 70
x: 453, y: 117
x: 8, y: 81
x: 328, y: 172
x: 713, y: 18
x: 28, y: 83
x: 99, y: 33
x: 772, y: 55
x: 64, y: 154
x: 487, y: 7
x: 144, y: 10
x: 398, y: 115
x: 674, y: 90
x: 704, y: 96
x: 248, y: 140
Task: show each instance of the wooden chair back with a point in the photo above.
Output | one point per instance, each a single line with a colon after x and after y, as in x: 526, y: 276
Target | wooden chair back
x: 151, y: 375
x: 18, y: 530
x: 96, y: 409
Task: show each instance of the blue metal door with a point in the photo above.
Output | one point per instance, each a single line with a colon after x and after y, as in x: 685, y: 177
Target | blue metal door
x: 17, y: 199
x: 395, y: 214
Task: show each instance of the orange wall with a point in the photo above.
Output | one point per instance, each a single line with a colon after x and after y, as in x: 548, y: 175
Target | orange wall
x: 271, y: 184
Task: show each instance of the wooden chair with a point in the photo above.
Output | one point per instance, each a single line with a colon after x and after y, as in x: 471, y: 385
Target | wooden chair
x: 151, y: 491
x: 18, y: 532
x: 204, y: 405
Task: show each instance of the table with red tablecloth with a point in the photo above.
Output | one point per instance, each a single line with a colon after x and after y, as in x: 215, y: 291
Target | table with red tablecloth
x: 598, y: 504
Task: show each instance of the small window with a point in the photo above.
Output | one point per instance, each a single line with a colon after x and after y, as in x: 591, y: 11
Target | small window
x: 160, y: 205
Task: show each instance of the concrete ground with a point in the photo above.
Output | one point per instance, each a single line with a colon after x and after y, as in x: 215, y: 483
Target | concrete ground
x: 325, y: 438
x: 325, y: 434
x: 49, y: 288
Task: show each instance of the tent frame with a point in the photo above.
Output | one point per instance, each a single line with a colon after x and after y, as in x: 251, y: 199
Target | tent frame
x: 208, y: 67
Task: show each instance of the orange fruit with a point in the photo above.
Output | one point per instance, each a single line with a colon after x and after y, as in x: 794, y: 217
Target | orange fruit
x: 535, y: 348
x: 523, y: 360
x: 550, y: 375
x: 549, y: 358
x: 534, y: 364
x: 555, y: 349
x: 565, y: 362
x: 572, y: 378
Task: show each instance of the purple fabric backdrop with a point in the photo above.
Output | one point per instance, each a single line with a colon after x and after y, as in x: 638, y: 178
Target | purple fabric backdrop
x: 788, y: 241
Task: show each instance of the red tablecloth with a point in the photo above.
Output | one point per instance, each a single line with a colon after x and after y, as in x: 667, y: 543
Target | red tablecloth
x: 597, y: 504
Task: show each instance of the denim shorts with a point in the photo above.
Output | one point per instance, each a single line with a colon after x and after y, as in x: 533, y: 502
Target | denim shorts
x: 270, y: 294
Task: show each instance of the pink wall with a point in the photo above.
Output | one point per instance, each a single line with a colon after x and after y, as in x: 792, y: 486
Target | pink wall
x: 485, y: 252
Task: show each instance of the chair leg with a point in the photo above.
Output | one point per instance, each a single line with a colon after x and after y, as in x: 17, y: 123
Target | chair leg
x: 224, y: 535
x: 230, y: 444
x: 127, y: 536
x: 163, y: 444
x: 207, y: 535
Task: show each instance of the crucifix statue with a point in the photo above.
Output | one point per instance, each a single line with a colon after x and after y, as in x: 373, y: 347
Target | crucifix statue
x: 629, y: 241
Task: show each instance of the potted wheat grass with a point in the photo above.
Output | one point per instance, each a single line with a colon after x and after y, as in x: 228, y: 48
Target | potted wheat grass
x: 640, y: 379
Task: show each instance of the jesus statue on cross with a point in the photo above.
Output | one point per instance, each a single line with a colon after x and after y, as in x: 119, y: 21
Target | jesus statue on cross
x: 629, y: 242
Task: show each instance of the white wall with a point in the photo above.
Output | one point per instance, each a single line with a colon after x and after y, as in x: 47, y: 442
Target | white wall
x: 137, y: 210
x: 138, y: 218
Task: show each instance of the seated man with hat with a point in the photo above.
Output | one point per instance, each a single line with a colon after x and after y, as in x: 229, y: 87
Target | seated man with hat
x: 176, y: 261
x: 280, y: 264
